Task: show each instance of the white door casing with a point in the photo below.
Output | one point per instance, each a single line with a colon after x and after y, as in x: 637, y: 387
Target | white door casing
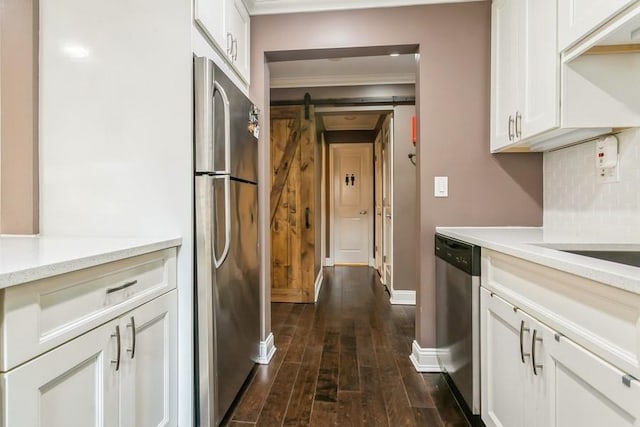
x: 351, y: 211
x: 387, y: 202
x: 377, y: 165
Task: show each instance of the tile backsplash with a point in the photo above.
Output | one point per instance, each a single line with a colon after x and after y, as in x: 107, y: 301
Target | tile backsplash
x: 579, y: 208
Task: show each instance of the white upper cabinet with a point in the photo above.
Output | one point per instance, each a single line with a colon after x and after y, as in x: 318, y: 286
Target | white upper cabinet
x: 578, y: 18
x: 238, y: 32
x: 524, y: 71
x: 210, y: 17
x: 503, y: 73
x: 226, y: 24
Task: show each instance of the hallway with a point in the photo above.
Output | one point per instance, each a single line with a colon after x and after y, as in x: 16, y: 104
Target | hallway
x: 344, y: 361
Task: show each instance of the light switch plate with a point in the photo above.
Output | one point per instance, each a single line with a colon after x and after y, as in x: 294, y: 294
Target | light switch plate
x: 441, y: 186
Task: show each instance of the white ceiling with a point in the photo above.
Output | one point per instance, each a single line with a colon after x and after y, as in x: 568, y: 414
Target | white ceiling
x: 267, y: 7
x: 364, y: 70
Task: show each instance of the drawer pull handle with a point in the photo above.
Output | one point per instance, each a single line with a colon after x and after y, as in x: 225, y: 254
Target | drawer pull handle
x: 121, y: 287
x: 117, y: 337
x: 522, y: 331
x: 535, y: 339
x: 132, y: 325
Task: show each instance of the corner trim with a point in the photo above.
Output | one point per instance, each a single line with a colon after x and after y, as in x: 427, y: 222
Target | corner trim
x: 318, y: 284
x: 424, y: 359
x: 399, y: 297
x: 328, y: 262
x: 267, y: 350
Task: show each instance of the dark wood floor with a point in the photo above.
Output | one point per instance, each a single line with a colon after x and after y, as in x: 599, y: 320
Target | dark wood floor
x: 345, y: 361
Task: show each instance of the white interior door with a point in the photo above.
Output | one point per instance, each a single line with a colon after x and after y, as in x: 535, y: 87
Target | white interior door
x: 352, y: 203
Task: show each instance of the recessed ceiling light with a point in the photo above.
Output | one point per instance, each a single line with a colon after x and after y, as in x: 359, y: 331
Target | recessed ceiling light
x: 394, y: 54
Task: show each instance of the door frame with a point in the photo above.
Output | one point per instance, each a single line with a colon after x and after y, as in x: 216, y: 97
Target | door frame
x: 332, y: 197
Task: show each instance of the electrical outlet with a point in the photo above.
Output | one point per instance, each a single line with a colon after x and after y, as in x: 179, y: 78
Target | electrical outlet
x: 609, y: 175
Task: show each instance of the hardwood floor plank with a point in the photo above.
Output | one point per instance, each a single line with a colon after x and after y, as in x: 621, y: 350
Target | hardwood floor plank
x: 349, y: 379
x: 299, y: 411
x: 275, y: 407
x: 448, y: 409
x: 373, y: 406
x: 349, y: 409
x: 301, y: 335
x: 427, y: 417
x: 414, y: 384
x: 323, y: 414
x: 396, y: 401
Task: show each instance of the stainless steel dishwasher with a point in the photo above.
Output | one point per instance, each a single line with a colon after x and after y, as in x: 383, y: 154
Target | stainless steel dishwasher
x: 458, y: 319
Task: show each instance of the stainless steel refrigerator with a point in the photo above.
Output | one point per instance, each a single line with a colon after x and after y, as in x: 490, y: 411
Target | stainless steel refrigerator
x: 226, y: 239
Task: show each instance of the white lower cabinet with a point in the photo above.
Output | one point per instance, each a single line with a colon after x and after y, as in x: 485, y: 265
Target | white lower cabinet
x: 148, y: 381
x: 123, y: 373
x: 533, y: 376
x: 74, y: 385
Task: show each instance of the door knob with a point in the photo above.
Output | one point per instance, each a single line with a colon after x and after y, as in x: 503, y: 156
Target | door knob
x: 363, y: 212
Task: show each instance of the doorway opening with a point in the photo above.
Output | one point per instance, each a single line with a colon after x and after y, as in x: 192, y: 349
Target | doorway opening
x: 357, y: 113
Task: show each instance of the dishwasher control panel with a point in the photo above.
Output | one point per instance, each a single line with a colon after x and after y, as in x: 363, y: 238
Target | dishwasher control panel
x: 462, y: 255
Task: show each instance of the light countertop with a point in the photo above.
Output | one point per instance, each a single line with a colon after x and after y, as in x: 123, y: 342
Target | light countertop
x: 527, y: 243
x: 28, y: 258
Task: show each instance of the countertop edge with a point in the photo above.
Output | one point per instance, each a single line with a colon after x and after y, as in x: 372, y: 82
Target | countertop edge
x: 546, y: 257
x: 20, y: 277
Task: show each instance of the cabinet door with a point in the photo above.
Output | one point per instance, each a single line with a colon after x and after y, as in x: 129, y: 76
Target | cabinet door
x: 74, y: 385
x: 503, y: 361
x: 538, y: 107
x: 578, y: 18
x: 503, y: 73
x: 148, y: 386
x: 539, y: 377
x: 238, y: 27
x: 210, y: 17
x: 587, y: 391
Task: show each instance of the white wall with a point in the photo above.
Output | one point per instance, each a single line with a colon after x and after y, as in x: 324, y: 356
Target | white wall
x: 115, y: 132
x: 578, y: 208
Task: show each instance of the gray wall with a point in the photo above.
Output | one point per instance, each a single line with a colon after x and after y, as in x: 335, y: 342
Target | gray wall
x: 404, y: 202
x: 452, y: 104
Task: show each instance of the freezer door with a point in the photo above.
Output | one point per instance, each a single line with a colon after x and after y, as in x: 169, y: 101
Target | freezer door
x: 237, y: 302
x: 205, y: 326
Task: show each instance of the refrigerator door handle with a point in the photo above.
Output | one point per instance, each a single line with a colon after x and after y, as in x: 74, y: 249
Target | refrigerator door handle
x: 227, y: 127
x: 227, y: 221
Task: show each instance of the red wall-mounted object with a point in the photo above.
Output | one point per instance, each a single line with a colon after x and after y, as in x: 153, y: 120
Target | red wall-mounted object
x: 413, y: 129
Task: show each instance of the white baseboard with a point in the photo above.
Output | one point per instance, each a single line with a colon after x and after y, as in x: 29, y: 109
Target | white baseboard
x: 267, y: 350
x: 318, y: 283
x: 402, y: 297
x: 328, y: 262
x: 424, y: 359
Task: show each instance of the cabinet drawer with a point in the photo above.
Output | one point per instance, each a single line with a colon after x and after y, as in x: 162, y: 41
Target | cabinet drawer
x: 43, y: 314
x: 603, y: 319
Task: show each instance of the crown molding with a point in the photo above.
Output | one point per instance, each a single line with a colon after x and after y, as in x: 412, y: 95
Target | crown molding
x: 271, y: 7
x: 342, y: 80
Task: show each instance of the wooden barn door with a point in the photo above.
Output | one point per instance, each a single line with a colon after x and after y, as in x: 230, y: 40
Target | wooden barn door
x: 292, y: 205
